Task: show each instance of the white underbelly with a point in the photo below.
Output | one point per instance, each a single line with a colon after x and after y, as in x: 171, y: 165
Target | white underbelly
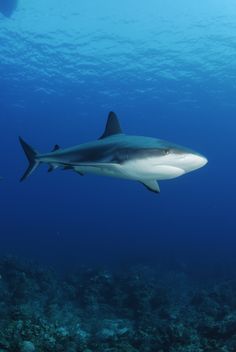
x: 134, y: 170
x: 144, y: 170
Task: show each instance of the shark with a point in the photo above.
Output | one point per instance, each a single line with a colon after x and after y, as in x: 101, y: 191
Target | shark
x: 147, y: 160
x: 7, y: 7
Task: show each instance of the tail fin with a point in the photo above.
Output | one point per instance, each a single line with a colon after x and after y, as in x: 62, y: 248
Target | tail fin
x: 31, y: 156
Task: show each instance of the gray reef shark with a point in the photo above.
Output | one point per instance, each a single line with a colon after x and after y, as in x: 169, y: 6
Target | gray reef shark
x: 7, y: 7
x: 143, y: 159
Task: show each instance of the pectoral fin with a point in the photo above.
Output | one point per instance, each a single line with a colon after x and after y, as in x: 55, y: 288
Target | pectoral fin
x: 151, y: 185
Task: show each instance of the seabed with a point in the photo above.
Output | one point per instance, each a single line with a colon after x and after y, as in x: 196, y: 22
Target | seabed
x: 135, y: 309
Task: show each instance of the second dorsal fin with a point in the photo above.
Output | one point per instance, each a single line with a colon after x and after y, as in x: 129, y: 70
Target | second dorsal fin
x: 56, y: 147
x: 112, y: 126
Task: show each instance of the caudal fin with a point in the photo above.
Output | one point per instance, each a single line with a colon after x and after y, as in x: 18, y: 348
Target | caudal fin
x: 31, y: 155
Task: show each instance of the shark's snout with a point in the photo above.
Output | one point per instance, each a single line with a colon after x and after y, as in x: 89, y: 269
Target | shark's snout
x: 193, y: 162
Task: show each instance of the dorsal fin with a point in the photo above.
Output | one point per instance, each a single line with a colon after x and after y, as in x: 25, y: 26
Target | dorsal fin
x: 56, y: 147
x: 112, y: 126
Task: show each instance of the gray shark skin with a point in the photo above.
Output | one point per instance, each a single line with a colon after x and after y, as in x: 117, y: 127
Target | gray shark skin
x: 143, y: 159
x: 7, y: 7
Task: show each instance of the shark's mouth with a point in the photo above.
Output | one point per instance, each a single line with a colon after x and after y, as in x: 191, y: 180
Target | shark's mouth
x: 166, y: 172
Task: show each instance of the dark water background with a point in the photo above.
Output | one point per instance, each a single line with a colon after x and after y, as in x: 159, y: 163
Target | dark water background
x: 168, y: 69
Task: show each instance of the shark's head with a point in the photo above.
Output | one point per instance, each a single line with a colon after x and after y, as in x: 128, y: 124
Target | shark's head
x: 150, y: 158
x: 180, y: 160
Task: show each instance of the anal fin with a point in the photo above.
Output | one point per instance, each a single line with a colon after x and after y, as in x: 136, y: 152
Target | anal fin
x: 52, y: 167
x: 151, y: 185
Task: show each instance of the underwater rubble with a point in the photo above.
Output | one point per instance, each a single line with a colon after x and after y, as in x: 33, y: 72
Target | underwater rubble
x: 140, y: 308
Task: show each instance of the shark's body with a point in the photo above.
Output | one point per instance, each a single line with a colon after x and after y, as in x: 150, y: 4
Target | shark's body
x: 7, y: 7
x: 116, y: 154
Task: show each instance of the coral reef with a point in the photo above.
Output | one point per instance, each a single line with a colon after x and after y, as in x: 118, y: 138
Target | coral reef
x: 96, y: 310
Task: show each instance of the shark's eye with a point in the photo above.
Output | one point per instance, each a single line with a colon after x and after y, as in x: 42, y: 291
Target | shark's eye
x: 166, y: 151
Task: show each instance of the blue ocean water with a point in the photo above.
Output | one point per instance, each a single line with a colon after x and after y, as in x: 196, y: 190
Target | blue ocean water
x: 168, y: 70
